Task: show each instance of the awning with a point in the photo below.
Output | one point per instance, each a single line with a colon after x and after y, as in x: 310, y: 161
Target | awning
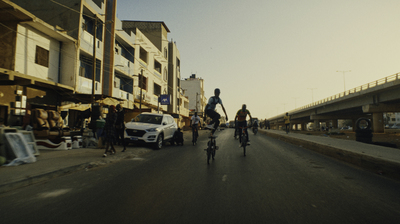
x: 74, y: 106
x: 109, y: 101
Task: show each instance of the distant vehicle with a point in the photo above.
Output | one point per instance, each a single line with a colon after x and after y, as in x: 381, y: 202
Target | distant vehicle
x: 395, y: 126
x: 346, y: 128
x: 231, y: 124
x: 151, y: 128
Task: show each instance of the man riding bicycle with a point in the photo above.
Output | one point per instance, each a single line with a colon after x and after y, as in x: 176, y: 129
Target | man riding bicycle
x: 195, y: 121
x: 255, y: 125
x: 210, y: 111
x: 241, y: 118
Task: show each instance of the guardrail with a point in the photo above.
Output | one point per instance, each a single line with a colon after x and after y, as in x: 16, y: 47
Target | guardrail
x: 364, y: 87
x: 361, y: 88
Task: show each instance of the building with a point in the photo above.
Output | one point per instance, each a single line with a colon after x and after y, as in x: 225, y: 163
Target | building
x: 159, y: 66
x: 38, y: 62
x: 194, y: 90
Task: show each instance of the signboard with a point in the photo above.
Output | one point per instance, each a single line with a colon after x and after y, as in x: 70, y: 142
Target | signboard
x: 165, y: 99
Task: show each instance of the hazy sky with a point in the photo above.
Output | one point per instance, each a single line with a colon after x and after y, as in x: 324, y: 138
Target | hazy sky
x: 269, y: 54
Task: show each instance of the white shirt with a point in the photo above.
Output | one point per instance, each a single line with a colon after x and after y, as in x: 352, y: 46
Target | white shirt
x: 195, y: 120
x: 212, y: 102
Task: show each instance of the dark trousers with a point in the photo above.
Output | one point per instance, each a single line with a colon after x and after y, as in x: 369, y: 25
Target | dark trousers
x: 215, y: 119
x: 243, y: 124
x: 120, y: 136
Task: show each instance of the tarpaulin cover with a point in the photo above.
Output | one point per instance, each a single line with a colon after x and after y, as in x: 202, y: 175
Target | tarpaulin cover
x: 17, y: 143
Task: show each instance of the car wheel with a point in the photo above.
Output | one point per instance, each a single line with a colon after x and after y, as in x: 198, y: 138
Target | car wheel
x: 158, y: 144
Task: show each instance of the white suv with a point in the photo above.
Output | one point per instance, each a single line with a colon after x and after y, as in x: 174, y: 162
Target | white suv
x: 151, y: 128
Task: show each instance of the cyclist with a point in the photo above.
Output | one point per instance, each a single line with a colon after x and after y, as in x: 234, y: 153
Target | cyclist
x: 210, y: 111
x: 255, y: 125
x: 241, y: 117
x: 195, y: 121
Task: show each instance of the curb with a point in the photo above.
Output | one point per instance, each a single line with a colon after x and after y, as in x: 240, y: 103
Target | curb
x: 41, y: 178
x: 378, y: 166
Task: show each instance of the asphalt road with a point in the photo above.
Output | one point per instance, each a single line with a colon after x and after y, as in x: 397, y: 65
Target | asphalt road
x: 275, y: 183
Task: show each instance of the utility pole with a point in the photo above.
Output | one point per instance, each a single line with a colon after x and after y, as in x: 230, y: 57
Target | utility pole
x: 344, y: 84
x: 295, y: 102
x: 197, y: 102
x: 94, y: 61
x: 93, y: 113
x: 140, y: 86
x: 312, y: 93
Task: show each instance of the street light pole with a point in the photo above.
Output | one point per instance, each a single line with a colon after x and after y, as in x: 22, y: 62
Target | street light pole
x: 344, y: 84
x: 94, y: 61
x: 295, y: 102
x: 312, y: 93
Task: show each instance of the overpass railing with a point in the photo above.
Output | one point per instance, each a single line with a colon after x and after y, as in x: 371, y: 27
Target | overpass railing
x: 369, y: 85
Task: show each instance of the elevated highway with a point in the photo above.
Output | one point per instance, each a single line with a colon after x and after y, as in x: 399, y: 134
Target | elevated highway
x: 370, y: 100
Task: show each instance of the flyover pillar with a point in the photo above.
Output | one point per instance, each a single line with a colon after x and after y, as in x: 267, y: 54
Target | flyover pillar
x: 335, y: 123
x: 304, y: 126
x: 316, y: 125
x: 377, y: 123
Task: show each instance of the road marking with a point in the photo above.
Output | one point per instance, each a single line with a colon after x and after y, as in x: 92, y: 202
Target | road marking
x: 138, y: 159
x: 224, y: 177
x: 54, y: 194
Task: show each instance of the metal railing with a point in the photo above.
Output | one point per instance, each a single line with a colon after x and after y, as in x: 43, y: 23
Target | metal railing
x: 361, y: 88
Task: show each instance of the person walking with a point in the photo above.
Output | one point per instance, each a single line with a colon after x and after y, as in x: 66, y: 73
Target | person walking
x: 120, y: 126
x: 109, y: 128
x: 287, y: 122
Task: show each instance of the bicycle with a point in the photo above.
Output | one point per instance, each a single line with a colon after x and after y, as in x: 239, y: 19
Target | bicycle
x: 255, y: 130
x: 243, y: 139
x: 195, y: 133
x: 211, y: 147
x: 237, y: 133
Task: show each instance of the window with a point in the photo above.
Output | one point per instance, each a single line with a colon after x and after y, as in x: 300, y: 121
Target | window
x: 143, y: 55
x: 86, y: 67
x: 125, y: 84
x: 165, y: 74
x: 157, y: 89
x: 42, y: 57
x: 165, y: 53
x: 157, y: 66
x: 178, y: 64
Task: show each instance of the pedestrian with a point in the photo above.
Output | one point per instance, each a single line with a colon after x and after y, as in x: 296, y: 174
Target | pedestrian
x: 120, y: 126
x: 109, y: 128
x: 287, y: 122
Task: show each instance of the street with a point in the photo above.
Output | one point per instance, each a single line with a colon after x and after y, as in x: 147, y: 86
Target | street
x: 275, y: 183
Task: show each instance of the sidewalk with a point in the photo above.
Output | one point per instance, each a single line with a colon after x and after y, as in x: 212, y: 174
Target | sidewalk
x: 52, y: 164
x: 378, y: 159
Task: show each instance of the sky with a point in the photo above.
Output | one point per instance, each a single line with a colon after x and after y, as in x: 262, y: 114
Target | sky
x: 278, y: 55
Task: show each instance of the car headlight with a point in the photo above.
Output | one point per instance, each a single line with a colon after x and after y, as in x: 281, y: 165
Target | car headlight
x: 152, y: 130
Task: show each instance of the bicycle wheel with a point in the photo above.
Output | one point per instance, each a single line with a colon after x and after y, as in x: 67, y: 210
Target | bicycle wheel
x: 209, y: 150
x: 214, y: 148
x: 244, y: 144
x: 194, y: 137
